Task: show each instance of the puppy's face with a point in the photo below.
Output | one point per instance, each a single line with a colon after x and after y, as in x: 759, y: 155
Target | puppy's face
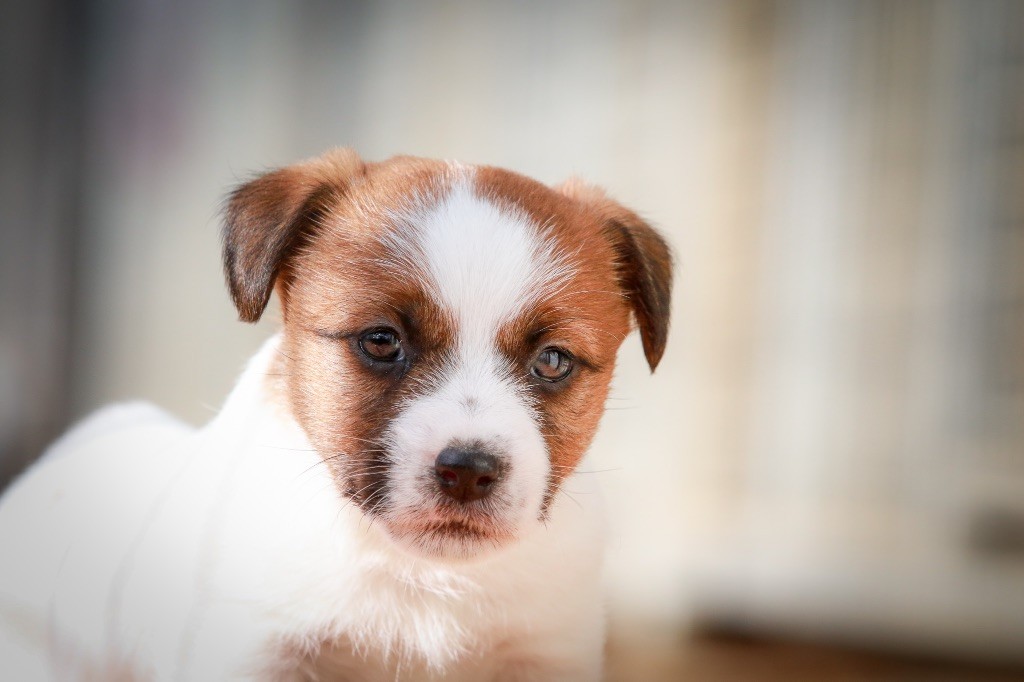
x: 450, y: 331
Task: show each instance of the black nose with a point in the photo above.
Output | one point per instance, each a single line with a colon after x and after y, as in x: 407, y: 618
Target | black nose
x: 466, y: 474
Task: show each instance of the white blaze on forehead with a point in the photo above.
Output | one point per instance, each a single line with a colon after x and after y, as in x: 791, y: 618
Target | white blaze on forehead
x: 483, y: 262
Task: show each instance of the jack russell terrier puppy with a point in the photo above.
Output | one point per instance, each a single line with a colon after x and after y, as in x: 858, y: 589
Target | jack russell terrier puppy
x: 383, y: 495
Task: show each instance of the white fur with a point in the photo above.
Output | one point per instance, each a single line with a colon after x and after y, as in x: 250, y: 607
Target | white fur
x: 484, y: 265
x: 140, y: 546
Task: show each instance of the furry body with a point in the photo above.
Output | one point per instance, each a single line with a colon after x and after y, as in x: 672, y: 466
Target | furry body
x: 306, y: 532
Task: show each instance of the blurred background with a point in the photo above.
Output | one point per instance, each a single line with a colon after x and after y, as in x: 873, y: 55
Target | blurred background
x: 825, y: 478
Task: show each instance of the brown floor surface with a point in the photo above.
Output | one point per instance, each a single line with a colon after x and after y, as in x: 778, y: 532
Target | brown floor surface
x: 719, y: 658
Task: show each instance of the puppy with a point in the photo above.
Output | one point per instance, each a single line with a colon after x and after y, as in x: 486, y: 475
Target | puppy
x: 385, y: 493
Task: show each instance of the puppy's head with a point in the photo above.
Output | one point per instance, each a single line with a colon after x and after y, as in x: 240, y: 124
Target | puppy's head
x: 449, y: 331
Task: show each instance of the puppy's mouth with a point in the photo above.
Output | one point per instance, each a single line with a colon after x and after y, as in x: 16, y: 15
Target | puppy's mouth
x: 450, y: 537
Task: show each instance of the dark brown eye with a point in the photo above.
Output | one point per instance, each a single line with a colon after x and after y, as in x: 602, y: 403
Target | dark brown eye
x: 382, y: 345
x: 552, y: 364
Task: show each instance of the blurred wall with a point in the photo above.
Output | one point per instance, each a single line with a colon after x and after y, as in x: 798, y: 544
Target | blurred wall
x: 41, y: 139
x: 834, y: 445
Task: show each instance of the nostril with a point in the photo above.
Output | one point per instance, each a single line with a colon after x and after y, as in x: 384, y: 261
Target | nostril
x: 447, y: 476
x: 485, y: 481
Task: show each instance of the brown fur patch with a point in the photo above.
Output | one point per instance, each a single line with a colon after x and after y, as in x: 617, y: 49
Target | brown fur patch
x: 338, y: 288
x: 644, y: 262
x: 264, y: 219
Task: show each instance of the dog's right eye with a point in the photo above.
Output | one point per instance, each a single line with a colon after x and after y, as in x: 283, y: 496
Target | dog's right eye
x: 382, y: 345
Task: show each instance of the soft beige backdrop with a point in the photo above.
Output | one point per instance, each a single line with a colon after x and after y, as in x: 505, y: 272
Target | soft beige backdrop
x: 834, y: 445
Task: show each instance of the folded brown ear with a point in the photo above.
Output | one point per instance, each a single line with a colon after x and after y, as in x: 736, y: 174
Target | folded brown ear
x: 644, y: 265
x: 265, y: 218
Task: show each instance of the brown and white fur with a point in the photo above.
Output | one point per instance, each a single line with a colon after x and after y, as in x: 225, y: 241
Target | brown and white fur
x: 303, y: 532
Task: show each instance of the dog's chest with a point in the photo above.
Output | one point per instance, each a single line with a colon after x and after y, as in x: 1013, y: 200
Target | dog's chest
x: 342, y: 659
x: 417, y: 627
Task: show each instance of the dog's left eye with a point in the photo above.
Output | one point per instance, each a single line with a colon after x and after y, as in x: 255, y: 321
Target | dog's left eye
x: 382, y: 345
x: 553, y: 364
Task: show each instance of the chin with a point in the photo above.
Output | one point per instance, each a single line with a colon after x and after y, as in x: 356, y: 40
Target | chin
x: 452, y: 540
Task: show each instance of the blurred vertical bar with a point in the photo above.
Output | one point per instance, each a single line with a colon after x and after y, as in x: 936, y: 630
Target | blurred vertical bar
x: 42, y: 85
x: 993, y: 299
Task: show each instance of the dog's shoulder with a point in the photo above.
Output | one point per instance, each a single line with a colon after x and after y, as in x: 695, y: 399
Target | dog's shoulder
x: 134, y: 420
